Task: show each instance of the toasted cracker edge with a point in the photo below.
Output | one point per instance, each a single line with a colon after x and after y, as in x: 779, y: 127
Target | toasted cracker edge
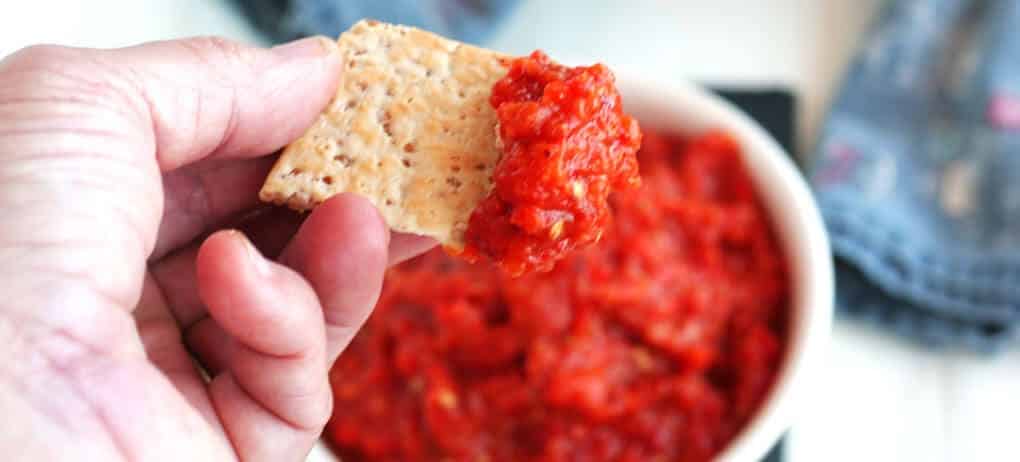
x: 410, y: 129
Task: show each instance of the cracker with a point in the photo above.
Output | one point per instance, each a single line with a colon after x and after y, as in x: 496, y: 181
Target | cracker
x: 410, y: 129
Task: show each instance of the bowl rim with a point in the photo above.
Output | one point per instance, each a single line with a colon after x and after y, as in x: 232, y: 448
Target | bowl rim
x: 799, y: 226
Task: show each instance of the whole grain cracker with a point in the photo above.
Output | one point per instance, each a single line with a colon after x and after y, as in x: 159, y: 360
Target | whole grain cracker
x: 410, y: 128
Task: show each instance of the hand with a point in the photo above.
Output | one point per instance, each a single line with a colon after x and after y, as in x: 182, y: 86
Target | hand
x: 114, y: 165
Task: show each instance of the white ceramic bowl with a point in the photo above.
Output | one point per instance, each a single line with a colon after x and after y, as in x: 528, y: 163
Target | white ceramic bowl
x: 679, y: 107
x: 683, y: 108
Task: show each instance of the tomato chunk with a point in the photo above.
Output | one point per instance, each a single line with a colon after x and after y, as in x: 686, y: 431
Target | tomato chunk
x: 566, y: 145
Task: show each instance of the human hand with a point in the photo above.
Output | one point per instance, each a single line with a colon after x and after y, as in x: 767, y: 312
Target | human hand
x: 114, y: 164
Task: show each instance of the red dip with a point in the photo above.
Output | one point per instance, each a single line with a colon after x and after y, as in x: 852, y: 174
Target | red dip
x: 658, y: 344
x: 566, y: 145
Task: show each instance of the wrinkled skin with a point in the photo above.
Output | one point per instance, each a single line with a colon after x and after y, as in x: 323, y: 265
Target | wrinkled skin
x: 119, y: 172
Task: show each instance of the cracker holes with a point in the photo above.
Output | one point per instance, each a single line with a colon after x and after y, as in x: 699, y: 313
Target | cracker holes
x: 352, y: 104
x: 407, y: 162
x: 455, y: 169
x: 351, y: 64
x: 454, y: 182
x: 479, y: 167
x: 344, y: 160
x: 389, y: 202
x: 294, y: 172
x: 362, y: 86
x: 386, y: 121
x: 327, y: 179
x: 323, y: 147
x: 409, y: 148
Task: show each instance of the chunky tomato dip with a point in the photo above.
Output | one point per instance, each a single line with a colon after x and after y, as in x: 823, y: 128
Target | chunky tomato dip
x: 658, y: 344
x: 566, y: 145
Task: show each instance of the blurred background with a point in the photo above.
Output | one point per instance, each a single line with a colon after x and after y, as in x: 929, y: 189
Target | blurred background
x: 884, y: 395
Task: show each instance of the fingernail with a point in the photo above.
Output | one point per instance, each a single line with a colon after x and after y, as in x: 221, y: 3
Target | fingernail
x: 259, y: 262
x: 311, y: 47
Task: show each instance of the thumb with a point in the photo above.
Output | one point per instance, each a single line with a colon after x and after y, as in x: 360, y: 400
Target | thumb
x: 211, y: 96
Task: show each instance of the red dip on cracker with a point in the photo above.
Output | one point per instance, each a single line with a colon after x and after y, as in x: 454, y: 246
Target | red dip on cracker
x: 658, y: 344
x: 566, y: 145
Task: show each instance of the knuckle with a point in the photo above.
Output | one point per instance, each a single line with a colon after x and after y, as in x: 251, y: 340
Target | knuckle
x: 303, y: 405
x: 55, y: 75
x: 321, y: 414
x: 315, y: 399
x: 40, y: 55
x: 29, y: 63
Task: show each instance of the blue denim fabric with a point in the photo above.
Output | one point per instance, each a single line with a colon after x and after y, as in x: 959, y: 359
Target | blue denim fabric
x: 466, y: 20
x: 918, y: 174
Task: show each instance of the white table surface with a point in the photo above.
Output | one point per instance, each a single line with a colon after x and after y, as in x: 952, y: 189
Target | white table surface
x: 880, y: 399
